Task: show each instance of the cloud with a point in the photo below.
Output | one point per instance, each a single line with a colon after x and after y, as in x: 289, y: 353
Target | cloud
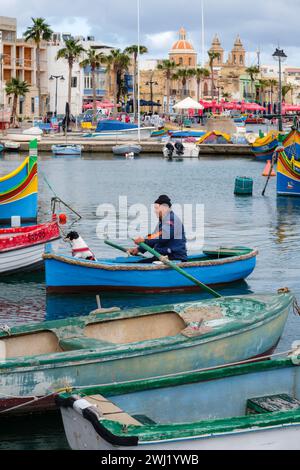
x: 260, y: 23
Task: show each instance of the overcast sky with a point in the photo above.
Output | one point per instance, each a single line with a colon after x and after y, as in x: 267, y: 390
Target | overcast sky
x: 262, y: 24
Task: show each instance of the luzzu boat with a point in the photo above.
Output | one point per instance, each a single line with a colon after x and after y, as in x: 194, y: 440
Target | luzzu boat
x: 22, y: 248
x: 110, y: 130
x: 288, y: 166
x: 67, y: 149
x: 108, y: 347
x: 214, y: 137
x: 67, y: 274
x: 264, y: 147
x: 19, y: 191
x: 247, y: 407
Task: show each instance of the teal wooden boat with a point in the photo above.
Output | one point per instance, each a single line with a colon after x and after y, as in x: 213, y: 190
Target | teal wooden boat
x: 246, y: 407
x: 115, y: 346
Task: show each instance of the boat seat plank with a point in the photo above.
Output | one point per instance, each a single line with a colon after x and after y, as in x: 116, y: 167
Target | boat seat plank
x: 272, y: 403
x: 82, y: 342
x: 111, y: 411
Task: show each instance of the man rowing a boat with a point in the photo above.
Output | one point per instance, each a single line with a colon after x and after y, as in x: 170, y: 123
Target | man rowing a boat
x: 168, y: 238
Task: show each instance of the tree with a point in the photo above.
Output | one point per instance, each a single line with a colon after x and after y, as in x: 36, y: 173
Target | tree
x: 16, y: 88
x: 252, y: 72
x: 226, y: 96
x: 93, y: 60
x: 134, y: 50
x: 71, y: 52
x: 212, y: 57
x: 167, y: 66
x: 183, y: 75
x: 200, y: 73
x: 38, y: 32
x: 118, y: 63
x: 263, y: 85
x: 286, y: 89
x: 272, y: 83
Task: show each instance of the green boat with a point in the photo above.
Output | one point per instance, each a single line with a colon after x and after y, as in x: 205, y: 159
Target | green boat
x: 111, y: 346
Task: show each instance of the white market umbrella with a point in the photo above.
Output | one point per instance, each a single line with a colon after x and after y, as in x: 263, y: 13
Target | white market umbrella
x: 188, y: 103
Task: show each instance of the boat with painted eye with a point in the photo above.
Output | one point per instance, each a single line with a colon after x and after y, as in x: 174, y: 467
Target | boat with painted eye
x: 247, y: 407
x: 22, y: 248
x: 288, y: 166
x: 68, y: 149
x: 112, y: 346
x: 221, y: 266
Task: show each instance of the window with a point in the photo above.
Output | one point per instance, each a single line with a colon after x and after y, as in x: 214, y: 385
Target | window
x: 241, y: 60
x: 88, y: 82
x: 190, y: 61
x: 234, y: 59
x: 180, y: 61
x: 74, y: 82
x: 32, y: 105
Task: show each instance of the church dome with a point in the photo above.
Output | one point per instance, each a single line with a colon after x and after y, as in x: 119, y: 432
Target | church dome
x: 182, y: 45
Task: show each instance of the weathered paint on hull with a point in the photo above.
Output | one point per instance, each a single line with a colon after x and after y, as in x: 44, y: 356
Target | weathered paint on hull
x: 42, y: 380
x: 284, y: 437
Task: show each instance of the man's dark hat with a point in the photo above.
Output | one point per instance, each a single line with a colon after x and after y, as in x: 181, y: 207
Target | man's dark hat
x: 163, y: 199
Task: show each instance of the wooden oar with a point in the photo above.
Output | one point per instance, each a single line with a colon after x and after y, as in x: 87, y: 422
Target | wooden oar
x: 172, y: 265
x: 119, y: 247
x: 270, y: 173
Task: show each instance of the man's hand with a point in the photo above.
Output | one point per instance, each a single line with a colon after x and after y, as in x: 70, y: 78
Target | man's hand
x: 133, y: 251
x: 139, y: 240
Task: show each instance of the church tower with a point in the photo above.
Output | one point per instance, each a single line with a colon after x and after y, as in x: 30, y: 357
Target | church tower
x: 237, y: 57
x: 216, y: 47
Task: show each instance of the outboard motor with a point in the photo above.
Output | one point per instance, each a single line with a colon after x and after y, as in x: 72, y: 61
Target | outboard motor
x: 170, y: 148
x: 179, y: 148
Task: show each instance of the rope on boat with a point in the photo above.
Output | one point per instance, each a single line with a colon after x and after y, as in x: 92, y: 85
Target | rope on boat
x: 295, y: 305
x: 33, y: 400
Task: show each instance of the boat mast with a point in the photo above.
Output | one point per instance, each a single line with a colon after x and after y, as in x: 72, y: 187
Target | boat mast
x: 139, y: 98
x: 203, y: 34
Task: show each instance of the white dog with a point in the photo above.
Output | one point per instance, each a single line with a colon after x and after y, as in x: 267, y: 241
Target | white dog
x: 79, y: 247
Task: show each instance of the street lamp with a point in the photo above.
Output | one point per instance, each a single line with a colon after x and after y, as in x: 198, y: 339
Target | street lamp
x: 280, y: 56
x: 56, y: 77
x: 151, y: 83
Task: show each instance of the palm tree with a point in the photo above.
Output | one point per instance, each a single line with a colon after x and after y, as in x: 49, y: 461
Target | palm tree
x: 71, y: 52
x: 167, y: 66
x: 39, y: 31
x: 117, y: 62
x: 134, y: 50
x: 252, y: 72
x: 286, y: 89
x: 212, y: 57
x: 226, y: 96
x: 93, y: 60
x: 16, y: 88
x: 200, y: 73
x: 263, y: 85
x: 183, y: 75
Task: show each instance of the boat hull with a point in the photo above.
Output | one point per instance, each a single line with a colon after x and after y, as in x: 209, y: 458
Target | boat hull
x: 81, y: 435
x: 40, y: 378
x: 63, y: 274
x: 190, y: 150
x: 288, y: 166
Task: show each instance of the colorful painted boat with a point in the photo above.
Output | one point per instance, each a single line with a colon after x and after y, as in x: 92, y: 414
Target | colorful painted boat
x: 23, y: 248
x: 264, y: 147
x: 67, y: 149
x: 214, y: 137
x: 288, y: 166
x: 19, y: 191
x: 115, y: 346
x: 67, y: 274
x: 247, y: 407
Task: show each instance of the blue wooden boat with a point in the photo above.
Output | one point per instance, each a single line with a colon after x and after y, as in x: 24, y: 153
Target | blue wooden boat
x: 67, y: 274
x: 113, y: 346
x: 67, y: 149
x: 19, y: 191
x: 288, y: 166
x: 245, y: 407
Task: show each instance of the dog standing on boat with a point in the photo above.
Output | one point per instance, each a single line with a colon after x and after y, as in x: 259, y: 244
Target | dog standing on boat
x: 79, y: 247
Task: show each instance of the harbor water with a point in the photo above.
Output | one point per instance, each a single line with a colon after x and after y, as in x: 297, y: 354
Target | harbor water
x: 270, y: 224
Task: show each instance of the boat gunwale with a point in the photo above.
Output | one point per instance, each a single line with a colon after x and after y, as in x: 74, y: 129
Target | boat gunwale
x: 113, y: 351
x: 148, y: 267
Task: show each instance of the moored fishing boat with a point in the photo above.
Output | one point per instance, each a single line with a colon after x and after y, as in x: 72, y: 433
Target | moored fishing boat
x: 66, y: 274
x: 181, y: 149
x: 214, y: 137
x: 288, y: 166
x: 114, y: 346
x: 11, y: 146
x: 247, y: 407
x: 67, y: 149
x: 110, y: 130
x: 264, y: 147
x: 127, y: 149
x: 19, y: 190
x: 22, y: 248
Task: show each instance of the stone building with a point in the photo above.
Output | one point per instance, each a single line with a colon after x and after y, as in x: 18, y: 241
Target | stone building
x: 19, y: 61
